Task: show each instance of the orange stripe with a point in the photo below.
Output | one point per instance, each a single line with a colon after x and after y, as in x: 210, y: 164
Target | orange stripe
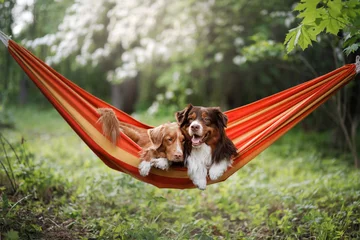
x: 99, y: 138
x: 276, y: 105
x: 252, y: 127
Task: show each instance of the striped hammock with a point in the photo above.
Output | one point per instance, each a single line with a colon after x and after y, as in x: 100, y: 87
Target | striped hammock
x: 252, y: 127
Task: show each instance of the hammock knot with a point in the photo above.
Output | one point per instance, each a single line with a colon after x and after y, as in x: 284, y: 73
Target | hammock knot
x: 357, y: 63
x: 4, y: 38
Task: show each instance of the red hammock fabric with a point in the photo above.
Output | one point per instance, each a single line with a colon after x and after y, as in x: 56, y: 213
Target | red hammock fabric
x: 252, y: 127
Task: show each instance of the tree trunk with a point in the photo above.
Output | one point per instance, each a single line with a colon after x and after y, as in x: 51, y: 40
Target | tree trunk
x: 23, y: 93
x: 117, y: 100
x: 124, y: 95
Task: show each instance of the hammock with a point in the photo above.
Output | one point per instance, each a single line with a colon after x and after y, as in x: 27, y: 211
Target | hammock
x: 252, y: 127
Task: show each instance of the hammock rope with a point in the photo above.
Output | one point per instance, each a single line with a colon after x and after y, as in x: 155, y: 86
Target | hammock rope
x: 252, y: 127
x: 4, y: 38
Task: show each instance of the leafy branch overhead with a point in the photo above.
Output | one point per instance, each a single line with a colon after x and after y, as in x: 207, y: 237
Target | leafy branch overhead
x: 330, y: 16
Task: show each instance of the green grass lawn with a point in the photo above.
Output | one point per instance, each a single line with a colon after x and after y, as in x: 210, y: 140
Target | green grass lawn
x: 290, y: 191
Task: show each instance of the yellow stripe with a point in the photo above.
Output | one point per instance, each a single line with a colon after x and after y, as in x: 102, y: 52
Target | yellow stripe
x: 253, y: 130
x: 132, y: 160
x: 299, y: 113
x: 240, y: 121
x: 319, y: 99
x: 96, y: 136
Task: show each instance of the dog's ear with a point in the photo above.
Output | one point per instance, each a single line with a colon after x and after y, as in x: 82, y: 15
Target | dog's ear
x: 156, y: 136
x: 221, y: 118
x: 182, y: 115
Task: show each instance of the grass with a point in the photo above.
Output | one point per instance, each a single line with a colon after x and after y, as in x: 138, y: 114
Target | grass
x: 290, y: 191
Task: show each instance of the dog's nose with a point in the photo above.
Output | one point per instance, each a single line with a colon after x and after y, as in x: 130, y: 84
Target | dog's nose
x: 195, y: 127
x: 178, y: 155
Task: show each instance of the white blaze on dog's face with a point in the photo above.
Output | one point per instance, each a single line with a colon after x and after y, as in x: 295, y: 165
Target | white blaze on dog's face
x: 202, y: 125
x: 168, y: 139
x: 196, y: 132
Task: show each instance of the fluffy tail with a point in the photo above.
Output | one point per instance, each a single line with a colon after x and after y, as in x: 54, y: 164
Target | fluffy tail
x: 110, y: 124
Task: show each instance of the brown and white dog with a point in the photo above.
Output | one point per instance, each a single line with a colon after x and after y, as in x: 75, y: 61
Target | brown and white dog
x: 207, y: 148
x: 160, y: 145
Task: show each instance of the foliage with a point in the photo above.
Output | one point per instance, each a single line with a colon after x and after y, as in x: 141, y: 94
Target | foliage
x: 203, y: 52
x: 320, y: 16
x: 25, y: 183
x: 19, y: 20
x: 291, y: 191
x: 5, y: 62
x: 174, y: 50
x: 339, y: 18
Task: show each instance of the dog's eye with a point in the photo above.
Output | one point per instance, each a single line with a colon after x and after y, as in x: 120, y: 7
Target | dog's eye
x: 170, y: 139
x: 207, y: 120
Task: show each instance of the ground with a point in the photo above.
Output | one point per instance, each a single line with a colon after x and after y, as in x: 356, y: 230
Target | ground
x: 293, y: 190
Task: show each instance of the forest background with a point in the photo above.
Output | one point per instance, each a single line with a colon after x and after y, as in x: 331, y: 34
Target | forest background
x: 150, y: 58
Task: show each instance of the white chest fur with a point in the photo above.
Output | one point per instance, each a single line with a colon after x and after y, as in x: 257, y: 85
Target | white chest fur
x: 200, y: 156
x: 197, y: 163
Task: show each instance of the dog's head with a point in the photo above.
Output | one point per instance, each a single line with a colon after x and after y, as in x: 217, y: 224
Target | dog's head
x: 168, y: 139
x: 206, y: 125
x: 202, y: 124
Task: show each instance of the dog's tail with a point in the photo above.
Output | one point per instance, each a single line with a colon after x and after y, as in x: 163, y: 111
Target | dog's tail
x: 110, y: 124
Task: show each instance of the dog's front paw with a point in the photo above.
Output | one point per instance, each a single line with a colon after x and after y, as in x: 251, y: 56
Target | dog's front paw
x: 144, y: 168
x: 161, y: 163
x: 216, y: 171
x: 200, y: 183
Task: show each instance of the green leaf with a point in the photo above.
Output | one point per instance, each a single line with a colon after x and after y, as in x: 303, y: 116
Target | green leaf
x: 160, y: 199
x: 305, y: 38
x: 118, y: 229
x: 102, y: 232
x: 352, y: 13
x: 308, y: 16
x: 300, y: 7
x: 308, y: 11
x: 12, y: 235
x: 307, y: 5
x: 291, y: 38
x: 36, y: 227
x: 5, y: 201
x: 302, y: 35
x: 321, y: 13
x: 335, y: 7
x: 332, y: 26
x: 352, y: 3
x: 353, y: 48
x: 350, y: 39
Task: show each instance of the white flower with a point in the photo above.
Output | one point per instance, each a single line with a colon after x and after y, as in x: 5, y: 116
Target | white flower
x: 219, y: 57
x: 22, y: 13
x: 132, y: 24
x: 189, y: 91
x: 264, y: 12
x: 176, y: 77
x: 219, y: 21
x: 169, y: 95
x: 154, y: 108
x: 160, y: 97
x: 126, y: 56
x: 238, y: 41
x: 238, y: 60
x: 238, y: 28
